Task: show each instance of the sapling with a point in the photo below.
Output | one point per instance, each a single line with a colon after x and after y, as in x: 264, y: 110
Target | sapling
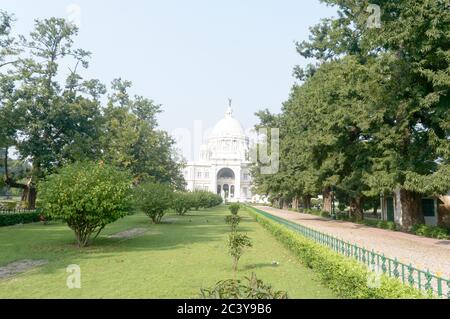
x: 236, y: 244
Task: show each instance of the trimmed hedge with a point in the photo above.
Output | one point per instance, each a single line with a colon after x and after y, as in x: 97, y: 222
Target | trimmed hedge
x: 431, y: 231
x: 383, y: 224
x: 10, y: 219
x: 346, y: 277
x: 234, y: 208
x: 320, y: 213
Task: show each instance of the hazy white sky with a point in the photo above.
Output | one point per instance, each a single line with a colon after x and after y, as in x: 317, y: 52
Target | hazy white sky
x: 190, y: 56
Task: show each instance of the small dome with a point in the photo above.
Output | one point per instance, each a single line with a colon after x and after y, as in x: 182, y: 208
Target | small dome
x: 228, y: 127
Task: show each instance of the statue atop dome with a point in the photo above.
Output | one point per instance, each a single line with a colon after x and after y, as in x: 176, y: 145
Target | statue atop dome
x: 230, y: 109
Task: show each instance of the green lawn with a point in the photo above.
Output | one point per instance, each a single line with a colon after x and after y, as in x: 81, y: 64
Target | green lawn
x: 171, y: 260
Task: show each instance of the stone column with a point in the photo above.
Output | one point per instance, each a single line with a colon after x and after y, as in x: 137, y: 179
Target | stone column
x: 237, y: 183
x: 213, y: 179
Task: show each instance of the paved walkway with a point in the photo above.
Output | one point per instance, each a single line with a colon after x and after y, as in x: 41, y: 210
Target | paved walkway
x: 423, y: 253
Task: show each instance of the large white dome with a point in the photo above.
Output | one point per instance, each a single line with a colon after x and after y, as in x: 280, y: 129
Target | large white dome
x: 228, y: 127
x: 227, y: 140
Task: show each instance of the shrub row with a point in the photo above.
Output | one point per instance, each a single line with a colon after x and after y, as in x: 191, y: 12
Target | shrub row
x: 9, y: 219
x: 320, y: 213
x: 383, y: 224
x: 431, y: 231
x: 182, y: 202
x: 346, y: 277
x: 156, y: 199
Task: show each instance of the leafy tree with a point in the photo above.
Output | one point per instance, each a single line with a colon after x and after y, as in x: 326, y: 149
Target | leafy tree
x: 371, y: 116
x: 52, y: 123
x: 411, y: 50
x: 59, y: 125
x: 338, y: 102
x: 10, y: 117
x: 154, y: 200
x: 131, y: 138
x: 87, y: 196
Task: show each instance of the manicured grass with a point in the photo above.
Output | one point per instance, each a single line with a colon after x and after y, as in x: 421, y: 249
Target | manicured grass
x: 171, y: 260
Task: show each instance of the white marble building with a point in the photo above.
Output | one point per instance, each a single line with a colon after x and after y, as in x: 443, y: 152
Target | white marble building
x: 223, y: 167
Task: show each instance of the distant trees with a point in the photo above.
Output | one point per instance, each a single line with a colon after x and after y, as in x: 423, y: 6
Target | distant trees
x: 53, y: 122
x: 372, y: 116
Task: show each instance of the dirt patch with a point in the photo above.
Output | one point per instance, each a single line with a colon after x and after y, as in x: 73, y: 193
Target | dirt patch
x: 130, y: 233
x: 20, y: 266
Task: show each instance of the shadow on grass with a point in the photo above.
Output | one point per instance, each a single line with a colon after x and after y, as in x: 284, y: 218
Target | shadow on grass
x: 56, y: 242
x: 259, y: 266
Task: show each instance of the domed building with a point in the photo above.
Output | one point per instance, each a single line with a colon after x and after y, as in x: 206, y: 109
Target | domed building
x: 224, y: 163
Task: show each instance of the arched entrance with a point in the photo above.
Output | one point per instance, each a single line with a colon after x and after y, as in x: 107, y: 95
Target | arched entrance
x: 226, y: 183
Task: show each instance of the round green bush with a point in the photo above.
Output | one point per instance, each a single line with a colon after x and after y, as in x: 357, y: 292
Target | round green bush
x: 87, y: 196
x: 154, y: 200
x: 234, y: 208
x: 325, y: 214
x: 182, y: 202
x: 430, y: 231
x: 204, y: 199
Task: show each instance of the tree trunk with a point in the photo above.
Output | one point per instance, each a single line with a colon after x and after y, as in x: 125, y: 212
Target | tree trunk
x: 29, y: 194
x: 376, y: 205
x: 411, y: 203
x: 295, y: 203
x: 280, y: 203
x: 327, y: 200
x: 356, y: 208
x: 25, y: 192
x: 275, y: 203
x: 32, y: 194
x: 307, y: 201
x: 235, y: 263
x: 285, y: 204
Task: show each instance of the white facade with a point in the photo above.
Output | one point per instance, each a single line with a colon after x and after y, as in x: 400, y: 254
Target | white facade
x: 224, y: 163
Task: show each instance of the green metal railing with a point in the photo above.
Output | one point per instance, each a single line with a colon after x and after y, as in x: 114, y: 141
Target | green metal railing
x: 407, y: 274
x: 16, y: 211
